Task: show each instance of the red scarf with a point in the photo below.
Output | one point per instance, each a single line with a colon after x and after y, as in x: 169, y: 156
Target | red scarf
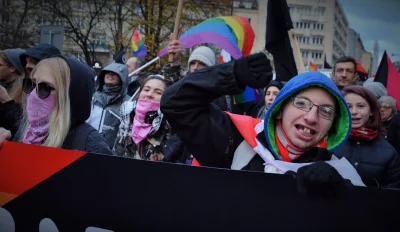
x: 286, y: 148
x: 363, y: 133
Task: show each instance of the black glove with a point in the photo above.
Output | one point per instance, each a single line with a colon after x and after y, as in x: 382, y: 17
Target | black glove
x: 254, y: 70
x: 320, y: 179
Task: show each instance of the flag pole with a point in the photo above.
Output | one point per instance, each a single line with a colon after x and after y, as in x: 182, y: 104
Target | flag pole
x: 296, y: 52
x: 176, y: 27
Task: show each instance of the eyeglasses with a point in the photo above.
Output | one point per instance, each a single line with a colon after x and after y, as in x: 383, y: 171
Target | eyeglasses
x: 326, y: 112
x: 43, y: 89
x: 384, y: 107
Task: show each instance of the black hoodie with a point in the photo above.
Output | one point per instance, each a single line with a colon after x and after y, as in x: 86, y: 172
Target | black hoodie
x: 81, y: 136
x: 10, y: 112
x: 39, y: 52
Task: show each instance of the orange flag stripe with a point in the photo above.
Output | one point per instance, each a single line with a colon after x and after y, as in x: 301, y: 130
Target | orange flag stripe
x: 23, y: 166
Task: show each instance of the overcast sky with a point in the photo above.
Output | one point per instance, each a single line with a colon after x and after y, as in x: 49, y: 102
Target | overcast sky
x: 376, y: 20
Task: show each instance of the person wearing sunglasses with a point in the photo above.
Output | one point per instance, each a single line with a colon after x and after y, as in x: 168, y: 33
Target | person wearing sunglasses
x: 56, y: 102
x: 374, y: 158
x: 144, y: 132
x: 307, y: 120
x: 10, y: 111
x: 111, y: 92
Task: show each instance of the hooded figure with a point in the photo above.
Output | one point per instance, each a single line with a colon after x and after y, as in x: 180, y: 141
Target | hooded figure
x: 377, y: 88
x: 270, y: 95
x: 10, y: 112
x: 80, y: 136
x: 308, y: 119
x: 110, y: 94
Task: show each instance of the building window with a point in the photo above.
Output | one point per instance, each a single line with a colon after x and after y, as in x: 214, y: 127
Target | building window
x: 236, y: 4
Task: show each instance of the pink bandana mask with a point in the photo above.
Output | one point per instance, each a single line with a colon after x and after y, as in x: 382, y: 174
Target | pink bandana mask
x: 140, y: 129
x: 39, y: 111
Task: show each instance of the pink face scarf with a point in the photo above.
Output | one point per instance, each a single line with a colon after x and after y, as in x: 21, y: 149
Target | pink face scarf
x: 39, y: 111
x: 140, y: 129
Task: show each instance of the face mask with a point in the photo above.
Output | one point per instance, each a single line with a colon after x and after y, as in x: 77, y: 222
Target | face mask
x: 112, y: 89
x: 141, y: 126
x: 39, y: 111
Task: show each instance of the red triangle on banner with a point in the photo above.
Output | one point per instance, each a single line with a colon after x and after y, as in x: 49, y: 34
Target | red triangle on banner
x: 23, y: 166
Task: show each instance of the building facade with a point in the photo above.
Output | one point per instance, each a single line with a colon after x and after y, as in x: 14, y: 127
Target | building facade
x: 256, y: 12
x: 321, y: 28
x: 367, y: 61
x: 355, y: 47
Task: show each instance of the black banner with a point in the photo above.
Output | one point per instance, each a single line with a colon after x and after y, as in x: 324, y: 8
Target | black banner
x: 121, y: 194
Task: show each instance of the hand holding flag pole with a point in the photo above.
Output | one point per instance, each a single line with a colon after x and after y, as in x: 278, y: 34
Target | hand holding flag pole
x: 175, y: 34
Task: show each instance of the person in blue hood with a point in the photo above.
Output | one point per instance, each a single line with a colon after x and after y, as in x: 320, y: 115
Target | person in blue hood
x: 57, y: 98
x: 308, y: 119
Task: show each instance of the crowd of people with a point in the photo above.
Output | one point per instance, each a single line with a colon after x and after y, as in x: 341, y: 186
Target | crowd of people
x: 312, y: 127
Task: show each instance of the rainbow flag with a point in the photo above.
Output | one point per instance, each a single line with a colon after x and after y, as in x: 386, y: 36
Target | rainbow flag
x: 138, y: 48
x: 233, y: 34
x: 313, y: 67
x: 248, y: 95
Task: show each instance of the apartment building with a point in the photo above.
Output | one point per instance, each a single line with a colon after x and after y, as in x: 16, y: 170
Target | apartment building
x: 256, y: 12
x: 355, y: 47
x: 321, y: 29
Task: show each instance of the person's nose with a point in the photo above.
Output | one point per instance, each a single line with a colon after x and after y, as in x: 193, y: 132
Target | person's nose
x: 311, y: 116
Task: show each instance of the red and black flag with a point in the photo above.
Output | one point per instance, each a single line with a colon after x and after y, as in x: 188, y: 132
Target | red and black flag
x: 362, y: 73
x: 277, y: 40
x: 389, y: 77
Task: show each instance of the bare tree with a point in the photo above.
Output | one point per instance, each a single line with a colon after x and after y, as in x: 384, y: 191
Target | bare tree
x: 156, y: 18
x: 80, y: 19
x: 17, y: 29
x: 119, y: 22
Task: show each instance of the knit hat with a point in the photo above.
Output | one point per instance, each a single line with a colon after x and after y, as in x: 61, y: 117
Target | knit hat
x: 389, y: 100
x: 275, y: 83
x: 203, y: 54
x: 377, y: 88
x: 13, y: 57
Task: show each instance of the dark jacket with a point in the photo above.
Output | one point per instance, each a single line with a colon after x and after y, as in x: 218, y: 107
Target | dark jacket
x: 393, y: 132
x: 208, y: 133
x: 11, y: 112
x: 81, y: 136
x: 376, y: 161
x: 104, y: 115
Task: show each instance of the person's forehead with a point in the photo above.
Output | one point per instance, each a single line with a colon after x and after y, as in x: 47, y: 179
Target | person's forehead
x: 384, y: 104
x: 318, y: 95
x: 347, y: 64
x: 272, y: 88
x: 131, y: 61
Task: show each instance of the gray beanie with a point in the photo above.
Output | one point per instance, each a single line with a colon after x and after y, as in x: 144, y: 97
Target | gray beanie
x: 389, y: 100
x: 377, y: 88
x: 203, y: 54
x: 13, y: 57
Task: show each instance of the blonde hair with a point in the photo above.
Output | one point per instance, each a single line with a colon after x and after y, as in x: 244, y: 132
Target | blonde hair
x: 60, y: 118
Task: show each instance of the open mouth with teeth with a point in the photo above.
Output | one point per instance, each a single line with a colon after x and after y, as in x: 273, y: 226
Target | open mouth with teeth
x: 305, y: 131
x: 355, y: 120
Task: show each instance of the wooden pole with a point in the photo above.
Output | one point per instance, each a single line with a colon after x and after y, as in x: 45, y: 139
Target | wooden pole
x: 296, y: 52
x: 176, y: 27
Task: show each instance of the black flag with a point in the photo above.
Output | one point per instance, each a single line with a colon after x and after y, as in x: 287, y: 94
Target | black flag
x: 326, y: 64
x: 277, y: 40
x: 119, y: 56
